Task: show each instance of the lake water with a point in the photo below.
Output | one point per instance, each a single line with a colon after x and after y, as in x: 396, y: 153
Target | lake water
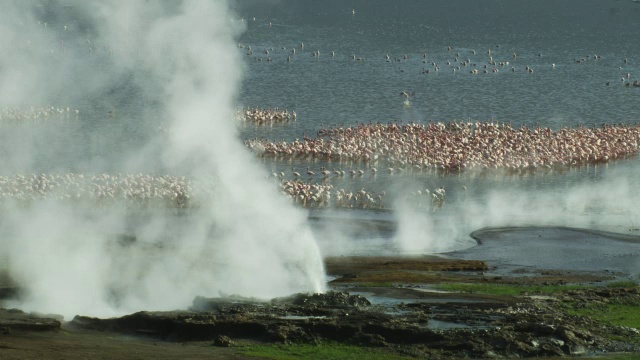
x: 327, y: 91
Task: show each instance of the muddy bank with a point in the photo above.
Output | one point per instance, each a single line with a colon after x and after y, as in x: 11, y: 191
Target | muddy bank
x: 430, y: 270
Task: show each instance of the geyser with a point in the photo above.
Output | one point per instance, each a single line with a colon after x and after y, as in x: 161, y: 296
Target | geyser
x: 133, y: 67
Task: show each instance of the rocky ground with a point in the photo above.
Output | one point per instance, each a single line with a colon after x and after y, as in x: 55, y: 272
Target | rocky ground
x: 396, y: 305
x: 383, y: 302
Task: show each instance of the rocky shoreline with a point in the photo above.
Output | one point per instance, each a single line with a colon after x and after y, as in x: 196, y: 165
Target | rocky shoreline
x: 396, y: 305
x: 413, y: 321
x: 519, y: 327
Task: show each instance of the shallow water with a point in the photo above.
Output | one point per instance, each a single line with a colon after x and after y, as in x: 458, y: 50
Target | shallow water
x: 382, y: 300
x: 298, y: 317
x: 448, y: 325
x: 538, y: 248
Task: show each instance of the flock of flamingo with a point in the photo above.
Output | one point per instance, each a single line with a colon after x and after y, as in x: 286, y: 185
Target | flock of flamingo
x: 457, y: 61
x: 99, y: 190
x: 140, y: 191
x: 445, y: 147
x: 268, y: 116
x: 455, y: 146
x: 394, y: 147
x: 35, y: 114
x: 323, y: 196
x: 470, y: 61
x: 355, y: 151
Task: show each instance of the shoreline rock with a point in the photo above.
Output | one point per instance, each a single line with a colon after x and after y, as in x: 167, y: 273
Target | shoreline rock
x: 526, y: 328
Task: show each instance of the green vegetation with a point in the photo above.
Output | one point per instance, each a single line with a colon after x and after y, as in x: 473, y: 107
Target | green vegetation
x: 325, y: 351
x: 616, y: 314
x: 510, y: 290
x: 630, y: 356
x: 622, y: 284
x: 621, y: 312
x: 375, y: 284
x: 624, y: 311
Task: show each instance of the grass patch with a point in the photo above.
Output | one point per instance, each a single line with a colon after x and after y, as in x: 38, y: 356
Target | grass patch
x: 622, y: 284
x: 616, y: 314
x: 511, y: 290
x: 327, y: 351
x: 630, y: 356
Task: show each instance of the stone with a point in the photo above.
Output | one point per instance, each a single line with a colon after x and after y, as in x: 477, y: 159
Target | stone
x: 557, y: 342
x: 223, y: 341
x: 534, y: 343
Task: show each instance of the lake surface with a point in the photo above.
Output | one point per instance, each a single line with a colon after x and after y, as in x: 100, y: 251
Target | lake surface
x: 327, y: 91
x: 116, y: 125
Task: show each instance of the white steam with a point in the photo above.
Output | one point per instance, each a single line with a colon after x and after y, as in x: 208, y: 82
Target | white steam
x: 180, y: 64
x: 608, y: 204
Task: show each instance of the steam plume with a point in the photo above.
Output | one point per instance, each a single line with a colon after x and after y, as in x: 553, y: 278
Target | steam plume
x: 608, y: 203
x: 167, y: 62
